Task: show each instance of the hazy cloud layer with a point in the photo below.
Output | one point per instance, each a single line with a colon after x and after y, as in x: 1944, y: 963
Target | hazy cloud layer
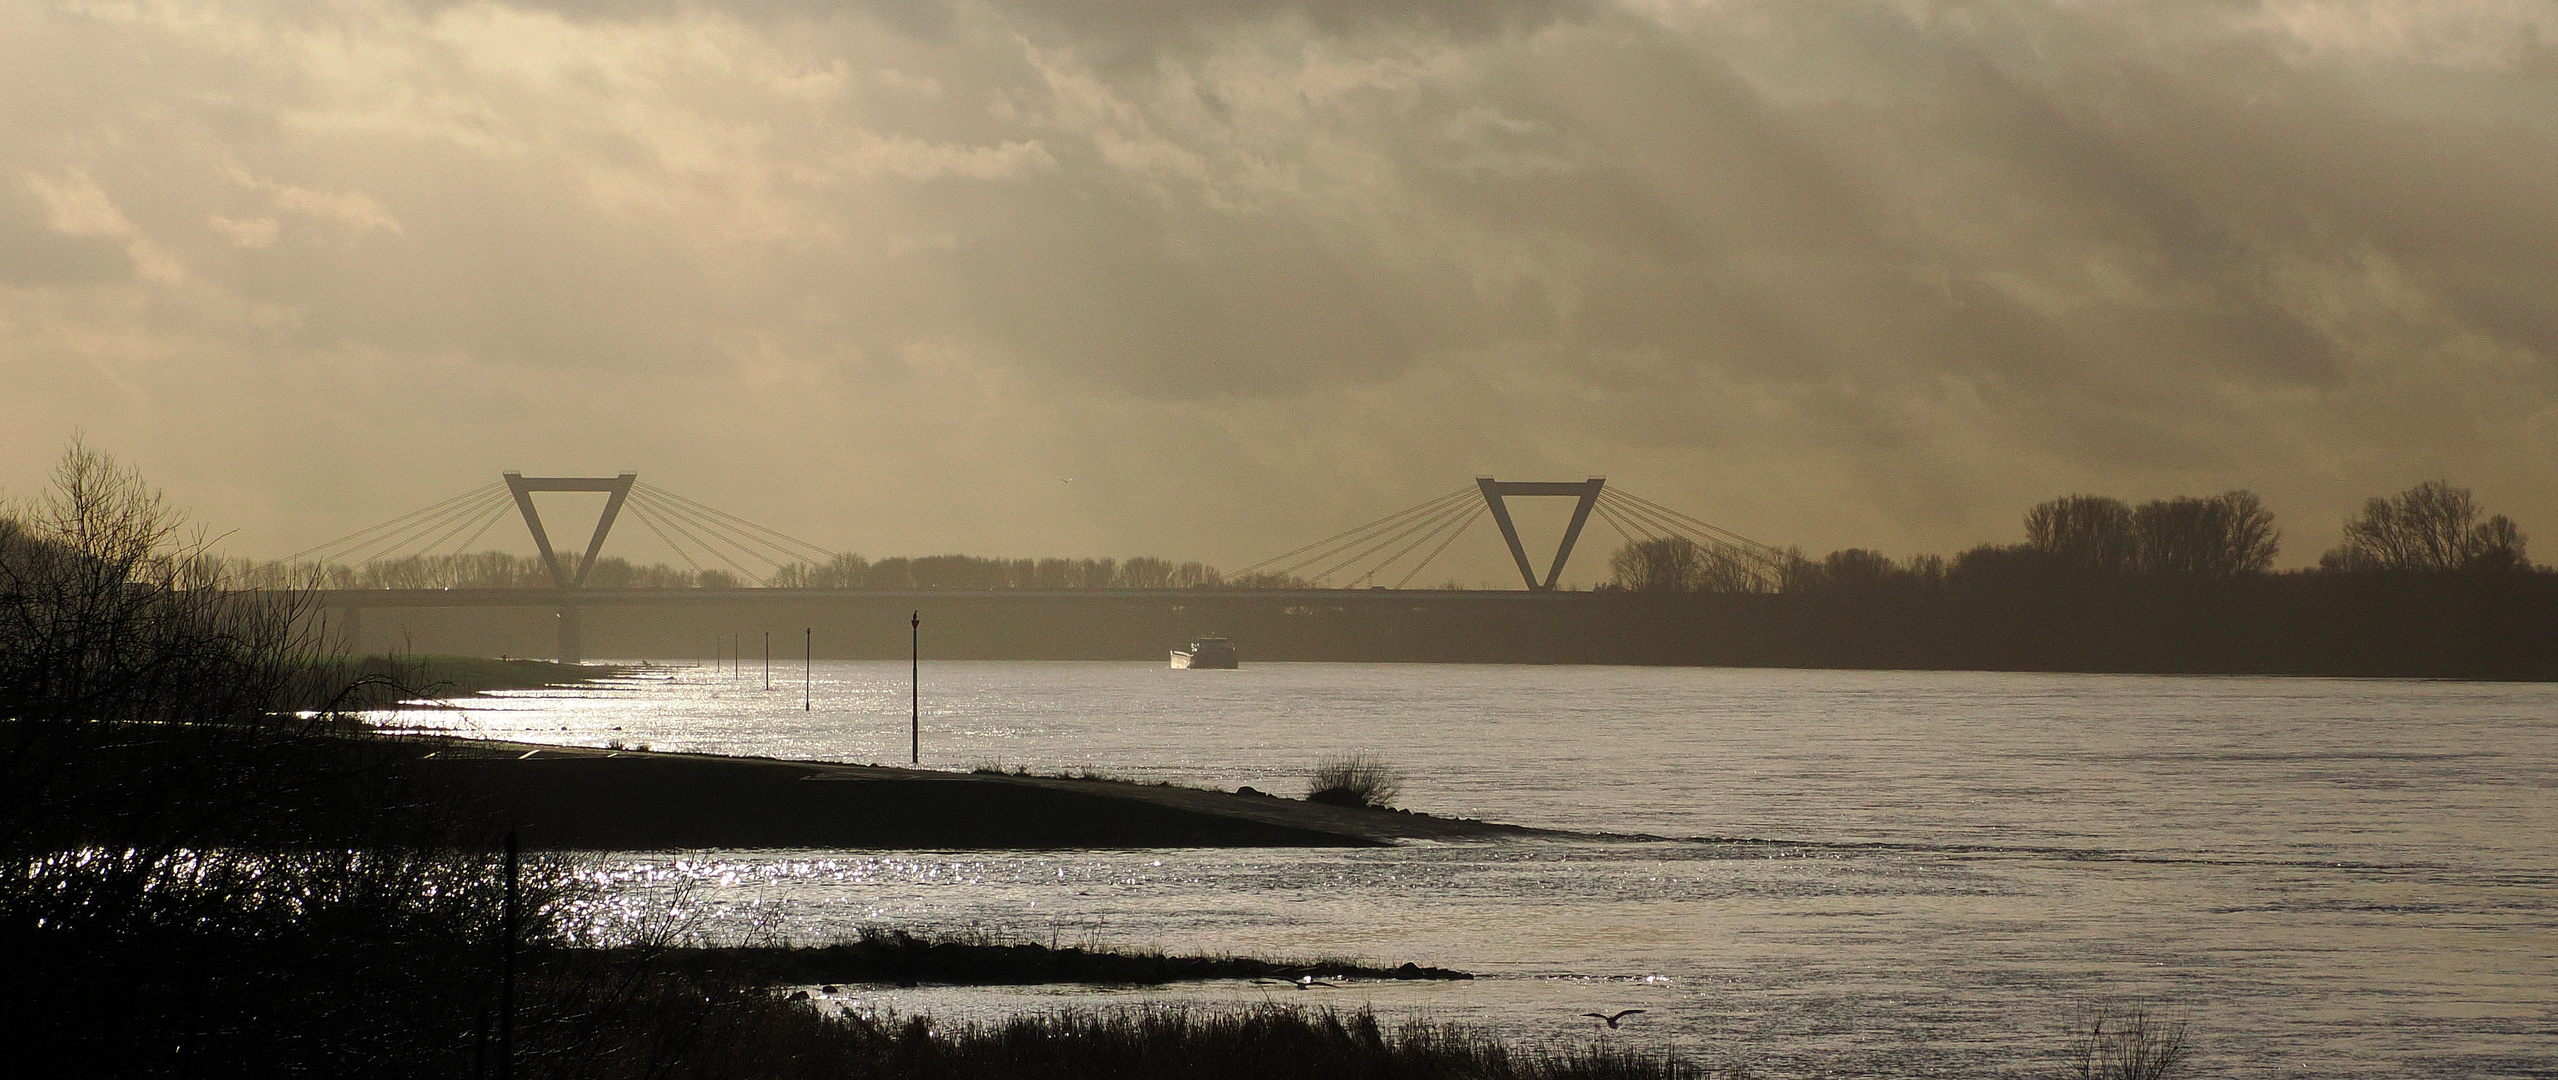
x: 1874, y: 274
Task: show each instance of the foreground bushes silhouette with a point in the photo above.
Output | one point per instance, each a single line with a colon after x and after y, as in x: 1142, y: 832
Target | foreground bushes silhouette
x: 205, y: 867
x: 877, y: 954
x: 706, y: 1027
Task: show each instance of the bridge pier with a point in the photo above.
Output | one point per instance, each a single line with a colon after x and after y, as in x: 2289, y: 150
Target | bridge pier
x: 572, y: 648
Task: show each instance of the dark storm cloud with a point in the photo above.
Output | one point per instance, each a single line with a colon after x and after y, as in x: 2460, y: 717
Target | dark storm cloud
x: 1874, y: 274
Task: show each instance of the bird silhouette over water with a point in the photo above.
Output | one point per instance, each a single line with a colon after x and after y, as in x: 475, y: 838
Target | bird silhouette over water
x: 1612, y: 1020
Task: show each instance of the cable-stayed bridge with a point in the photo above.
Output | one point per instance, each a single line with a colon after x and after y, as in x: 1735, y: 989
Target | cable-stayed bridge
x: 703, y: 537
x: 1380, y: 557
x: 1401, y: 545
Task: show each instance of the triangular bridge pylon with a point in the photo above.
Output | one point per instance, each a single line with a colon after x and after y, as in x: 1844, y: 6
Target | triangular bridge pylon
x: 1496, y: 495
x: 617, y: 488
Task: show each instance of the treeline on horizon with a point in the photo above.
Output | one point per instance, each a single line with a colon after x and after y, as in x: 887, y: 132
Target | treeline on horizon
x: 506, y: 570
x: 2433, y: 527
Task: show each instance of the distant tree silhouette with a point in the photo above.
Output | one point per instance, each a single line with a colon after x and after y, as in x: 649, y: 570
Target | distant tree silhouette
x: 1727, y: 570
x: 2223, y: 536
x: 2083, y: 532
x: 1146, y: 572
x: 1859, y: 567
x: 2432, y: 526
x: 840, y: 572
x: 2005, y: 567
x: 502, y: 570
x: 1667, y: 564
x: 1853, y: 569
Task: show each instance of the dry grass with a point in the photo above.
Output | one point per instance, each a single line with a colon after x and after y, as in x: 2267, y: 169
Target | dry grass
x: 1360, y: 779
x: 2116, y: 1043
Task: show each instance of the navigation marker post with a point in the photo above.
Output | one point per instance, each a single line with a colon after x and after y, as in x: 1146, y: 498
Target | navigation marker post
x: 808, y: 669
x: 915, y: 676
x: 768, y: 661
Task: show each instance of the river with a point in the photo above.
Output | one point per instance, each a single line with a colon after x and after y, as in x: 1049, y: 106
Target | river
x: 1840, y: 873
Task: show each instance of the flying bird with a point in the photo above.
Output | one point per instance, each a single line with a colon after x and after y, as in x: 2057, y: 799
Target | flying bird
x: 1612, y: 1020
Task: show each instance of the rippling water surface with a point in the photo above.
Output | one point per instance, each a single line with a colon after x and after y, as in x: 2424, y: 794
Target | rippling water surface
x: 1886, y: 873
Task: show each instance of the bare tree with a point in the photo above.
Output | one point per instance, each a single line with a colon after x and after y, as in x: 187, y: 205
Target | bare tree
x: 2083, y: 532
x: 185, y: 811
x: 2432, y: 526
x: 2223, y: 536
x: 1667, y: 564
x: 1728, y: 570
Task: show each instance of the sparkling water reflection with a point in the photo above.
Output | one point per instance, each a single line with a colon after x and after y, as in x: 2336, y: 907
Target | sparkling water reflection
x: 1863, y: 872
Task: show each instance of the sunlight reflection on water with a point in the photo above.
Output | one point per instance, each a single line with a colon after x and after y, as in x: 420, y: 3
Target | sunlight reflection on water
x: 1921, y: 873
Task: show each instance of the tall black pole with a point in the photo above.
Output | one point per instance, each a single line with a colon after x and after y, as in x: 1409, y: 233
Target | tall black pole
x: 808, y: 669
x: 915, y: 672
x: 506, y: 979
x: 768, y: 661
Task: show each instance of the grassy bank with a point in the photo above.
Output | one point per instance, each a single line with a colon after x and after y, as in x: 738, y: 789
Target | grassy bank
x: 1272, y: 1041
x: 890, y: 955
x: 688, y: 1026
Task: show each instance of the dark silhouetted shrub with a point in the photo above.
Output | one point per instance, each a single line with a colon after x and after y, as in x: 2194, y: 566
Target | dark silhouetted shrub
x: 1360, y: 779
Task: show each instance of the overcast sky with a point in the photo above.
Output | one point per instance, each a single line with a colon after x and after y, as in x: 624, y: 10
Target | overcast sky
x: 886, y: 275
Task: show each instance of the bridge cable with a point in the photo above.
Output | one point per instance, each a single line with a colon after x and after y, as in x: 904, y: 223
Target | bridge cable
x: 1623, y: 517
x: 359, y: 534
x: 1351, y: 536
x: 739, y: 524
x: 744, y: 526
x: 1655, y: 527
x: 666, y: 514
x: 1447, y: 510
x: 492, y: 511
x: 1334, y: 546
x: 366, y: 535
x: 1444, y: 523
x: 752, y: 546
x: 496, y: 514
x: 710, y: 550
x: 661, y: 535
x: 721, y: 538
x: 700, y: 529
x: 1610, y: 517
x: 1763, y: 569
x: 378, y: 549
x: 707, y: 547
x: 1378, y: 542
x: 1443, y: 546
x: 1766, y: 552
x: 1339, y: 541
